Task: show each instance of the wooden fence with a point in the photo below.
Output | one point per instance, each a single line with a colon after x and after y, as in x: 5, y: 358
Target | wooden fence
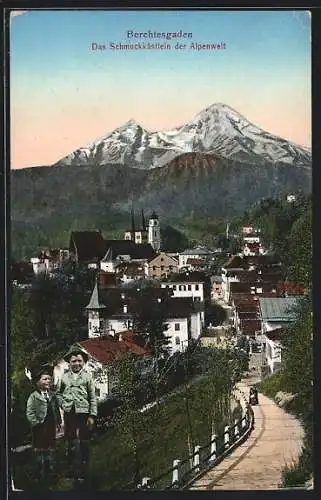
x: 184, y: 472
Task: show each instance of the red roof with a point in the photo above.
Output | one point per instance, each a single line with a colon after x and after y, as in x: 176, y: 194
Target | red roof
x: 291, y: 288
x: 107, y: 350
x: 250, y: 326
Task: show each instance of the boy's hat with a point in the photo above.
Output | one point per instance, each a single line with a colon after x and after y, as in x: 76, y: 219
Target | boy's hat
x: 41, y: 370
x: 75, y: 350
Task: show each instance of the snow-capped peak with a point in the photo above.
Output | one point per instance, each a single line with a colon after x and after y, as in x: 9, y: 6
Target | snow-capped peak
x: 218, y: 129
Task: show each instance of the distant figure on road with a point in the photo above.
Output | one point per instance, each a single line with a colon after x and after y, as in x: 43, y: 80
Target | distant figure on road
x: 76, y: 396
x: 253, y: 399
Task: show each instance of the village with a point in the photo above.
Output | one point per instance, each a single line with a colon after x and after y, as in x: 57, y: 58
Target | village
x: 250, y: 289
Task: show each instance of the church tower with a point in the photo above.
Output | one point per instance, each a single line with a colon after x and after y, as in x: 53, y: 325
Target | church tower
x: 95, y: 311
x: 154, y: 232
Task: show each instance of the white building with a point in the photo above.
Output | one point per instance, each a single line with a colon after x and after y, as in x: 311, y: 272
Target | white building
x: 183, y: 316
x: 193, y: 253
x: 102, y: 353
x: 273, y: 349
x: 193, y: 290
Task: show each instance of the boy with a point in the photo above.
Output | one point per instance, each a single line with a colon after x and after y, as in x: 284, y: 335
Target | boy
x: 44, y: 417
x: 76, y: 396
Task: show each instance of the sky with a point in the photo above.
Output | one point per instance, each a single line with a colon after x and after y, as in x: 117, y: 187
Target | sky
x: 64, y: 94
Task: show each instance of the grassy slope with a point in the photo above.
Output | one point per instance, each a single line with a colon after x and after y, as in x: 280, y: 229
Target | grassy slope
x: 163, y: 438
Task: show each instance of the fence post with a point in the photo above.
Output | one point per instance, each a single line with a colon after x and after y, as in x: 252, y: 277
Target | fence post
x: 226, y: 437
x: 196, y: 463
x: 175, y: 471
x: 236, y: 429
x: 145, y: 482
x: 213, y: 448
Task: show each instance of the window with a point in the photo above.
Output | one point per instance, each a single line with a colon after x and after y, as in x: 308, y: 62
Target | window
x: 154, y: 268
x: 177, y: 327
x: 189, y: 287
x: 177, y: 340
x: 162, y: 268
x: 162, y: 260
x: 174, y: 287
x: 196, y: 287
x: 97, y: 392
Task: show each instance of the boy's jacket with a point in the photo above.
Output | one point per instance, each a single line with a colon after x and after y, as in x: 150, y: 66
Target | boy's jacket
x: 78, y: 392
x: 37, y: 408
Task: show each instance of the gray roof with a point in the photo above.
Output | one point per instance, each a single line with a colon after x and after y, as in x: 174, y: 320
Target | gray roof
x: 278, y: 308
x: 196, y: 251
x: 95, y: 302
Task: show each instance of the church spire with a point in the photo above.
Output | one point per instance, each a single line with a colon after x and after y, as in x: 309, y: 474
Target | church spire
x: 133, y: 223
x: 95, y: 302
x: 143, y: 221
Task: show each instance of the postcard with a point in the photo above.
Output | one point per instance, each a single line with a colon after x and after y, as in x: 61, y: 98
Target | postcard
x: 161, y: 252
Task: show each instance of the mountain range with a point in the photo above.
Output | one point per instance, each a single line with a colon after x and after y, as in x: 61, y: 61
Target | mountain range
x: 216, y: 164
x: 217, y: 130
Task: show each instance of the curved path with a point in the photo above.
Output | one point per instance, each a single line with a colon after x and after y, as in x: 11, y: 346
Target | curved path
x: 257, y: 464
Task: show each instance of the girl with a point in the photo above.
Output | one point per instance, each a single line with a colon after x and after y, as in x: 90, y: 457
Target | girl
x: 44, y: 417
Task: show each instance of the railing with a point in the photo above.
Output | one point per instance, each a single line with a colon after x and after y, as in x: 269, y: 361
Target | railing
x: 185, y: 472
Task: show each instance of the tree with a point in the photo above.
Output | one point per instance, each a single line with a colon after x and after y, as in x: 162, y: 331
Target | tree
x: 297, y: 350
x: 23, y: 340
x: 149, y: 322
x: 300, y: 249
x: 128, y: 417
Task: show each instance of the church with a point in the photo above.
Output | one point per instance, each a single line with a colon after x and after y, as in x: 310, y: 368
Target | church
x: 145, y: 232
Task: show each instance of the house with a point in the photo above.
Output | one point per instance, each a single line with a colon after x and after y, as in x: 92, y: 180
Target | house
x: 277, y: 312
x: 50, y: 259
x: 195, y: 264
x: 103, y: 353
x: 189, y: 277
x: 288, y: 288
x: 189, y: 289
x: 217, y: 291
x: 251, y: 237
x: 160, y: 266
x: 253, y: 249
x: 131, y: 271
x: 247, y: 229
x: 113, y: 310
x: 250, y: 327
x: 197, y: 253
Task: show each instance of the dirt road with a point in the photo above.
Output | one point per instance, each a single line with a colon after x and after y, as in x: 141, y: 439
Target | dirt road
x: 257, y: 464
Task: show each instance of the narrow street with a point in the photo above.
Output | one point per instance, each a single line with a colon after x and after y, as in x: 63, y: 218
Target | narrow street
x: 257, y: 464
